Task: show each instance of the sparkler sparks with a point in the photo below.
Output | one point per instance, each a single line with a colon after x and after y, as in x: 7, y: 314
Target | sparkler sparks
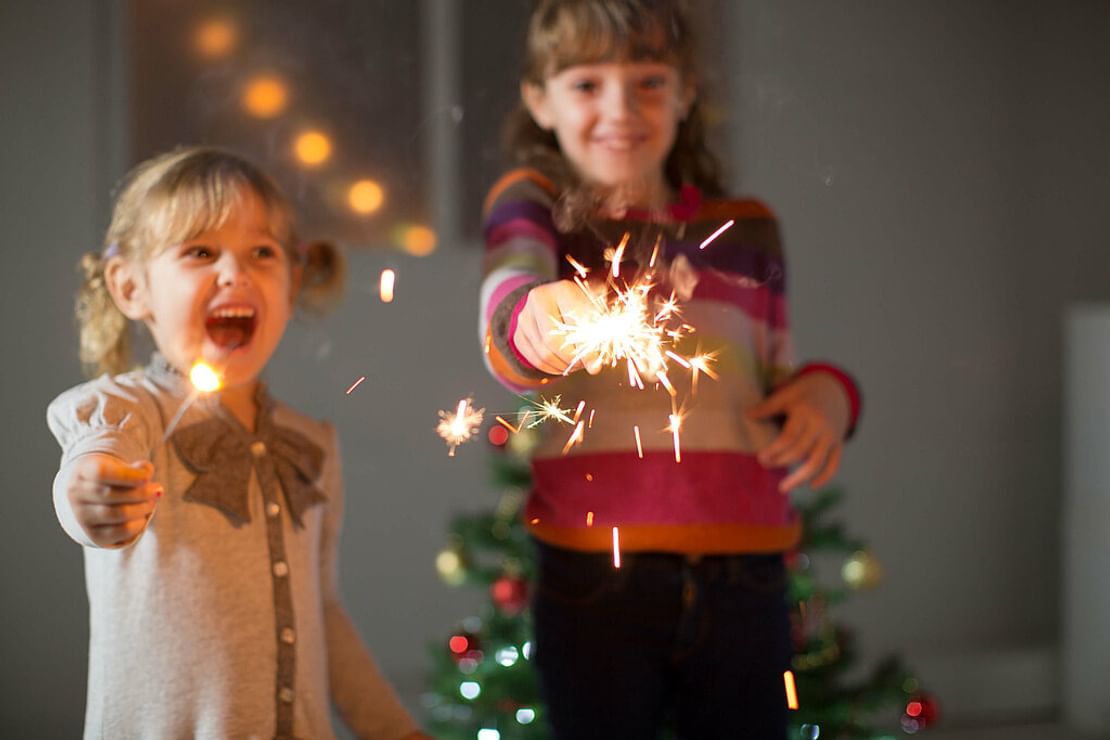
x: 709, y: 239
x: 460, y: 426
x: 385, y: 285
x: 639, y: 447
x: 616, y: 547
x: 676, y: 423
x: 356, y: 384
x: 205, y: 379
x: 791, y: 692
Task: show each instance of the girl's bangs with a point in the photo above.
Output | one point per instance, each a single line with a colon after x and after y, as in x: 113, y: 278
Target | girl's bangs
x: 190, y: 203
x: 583, y: 34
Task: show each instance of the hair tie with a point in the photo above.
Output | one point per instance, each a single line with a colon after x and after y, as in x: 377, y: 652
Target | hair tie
x: 112, y: 250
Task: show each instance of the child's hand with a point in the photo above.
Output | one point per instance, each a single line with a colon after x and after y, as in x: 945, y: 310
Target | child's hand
x: 817, y: 414
x: 111, y: 500
x: 535, y: 336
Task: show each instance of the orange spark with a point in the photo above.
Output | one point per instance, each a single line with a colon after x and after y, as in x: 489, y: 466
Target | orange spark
x: 717, y: 233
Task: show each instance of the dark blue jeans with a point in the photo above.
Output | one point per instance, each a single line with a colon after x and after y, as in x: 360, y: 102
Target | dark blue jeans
x: 696, y: 645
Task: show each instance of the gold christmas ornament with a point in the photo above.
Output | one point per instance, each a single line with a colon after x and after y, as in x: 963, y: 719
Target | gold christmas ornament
x: 861, y: 571
x: 450, y: 566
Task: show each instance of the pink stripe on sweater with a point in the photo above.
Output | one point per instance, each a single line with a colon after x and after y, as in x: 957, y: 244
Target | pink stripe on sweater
x: 756, y: 301
x: 502, y: 290
x: 619, y: 488
x: 520, y: 227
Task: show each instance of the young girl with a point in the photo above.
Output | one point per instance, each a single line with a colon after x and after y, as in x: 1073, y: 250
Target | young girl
x: 691, y: 630
x: 210, y: 544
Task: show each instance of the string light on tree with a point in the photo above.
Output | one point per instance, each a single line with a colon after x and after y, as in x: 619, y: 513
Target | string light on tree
x: 312, y: 148
x: 415, y: 239
x: 265, y: 96
x: 215, y: 38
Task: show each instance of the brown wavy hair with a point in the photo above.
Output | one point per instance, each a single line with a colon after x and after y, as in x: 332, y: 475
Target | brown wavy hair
x: 563, y: 33
x: 174, y: 197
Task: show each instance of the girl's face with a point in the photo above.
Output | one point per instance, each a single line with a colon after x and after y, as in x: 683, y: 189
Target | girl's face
x: 614, y: 121
x: 224, y: 296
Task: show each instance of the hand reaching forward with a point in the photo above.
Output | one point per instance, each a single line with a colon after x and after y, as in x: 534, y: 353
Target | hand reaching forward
x: 817, y: 414
x: 111, y: 500
x: 535, y: 336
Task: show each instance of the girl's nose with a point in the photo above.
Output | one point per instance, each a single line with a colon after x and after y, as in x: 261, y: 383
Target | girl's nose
x: 623, y: 101
x: 231, y: 272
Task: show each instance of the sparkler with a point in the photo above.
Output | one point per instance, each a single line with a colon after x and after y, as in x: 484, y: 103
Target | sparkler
x: 460, y: 426
x: 205, y: 379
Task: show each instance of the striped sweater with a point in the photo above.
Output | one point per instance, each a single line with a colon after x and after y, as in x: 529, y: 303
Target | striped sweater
x: 719, y: 498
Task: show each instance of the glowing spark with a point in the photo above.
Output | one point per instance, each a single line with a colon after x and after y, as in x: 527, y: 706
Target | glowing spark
x: 590, y: 424
x: 679, y: 359
x: 534, y: 521
x: 507, y: 425
x: 717, y: 233
x: 356, y: 384
x: 460, y: 426
x: 575, y: 437
x: 578, y: 266
x: 619, y: 254
x: 385, y: 286
x: 791, y: 692
x: 700, y: 364
x: 542, y: 409
x: 589, y: 519
x: 204, y: 378
x: 655, y: 251
x: 616, y: 548
x: 578, y: 411
x: 676, y: 423
x: 639, y: 447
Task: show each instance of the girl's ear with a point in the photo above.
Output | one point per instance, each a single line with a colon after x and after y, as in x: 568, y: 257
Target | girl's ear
x: 127, y: 288
x: 535, y: 100
x: 689, y: 95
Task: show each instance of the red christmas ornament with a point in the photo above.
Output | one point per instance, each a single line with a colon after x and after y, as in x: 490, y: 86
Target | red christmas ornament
x: 464, y: 646
x: 510, y: 594
x: 498, y: 436
x: 922, y: 711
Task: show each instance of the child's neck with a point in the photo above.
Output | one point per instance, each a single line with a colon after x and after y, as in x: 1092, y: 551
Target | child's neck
x: 645, y: 196
x: 240, y: 402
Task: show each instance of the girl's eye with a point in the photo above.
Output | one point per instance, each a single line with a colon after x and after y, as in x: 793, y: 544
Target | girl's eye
x: 265, y: 252
x: 584, y: 86
x: 199, y: 252
x: 654, y: 82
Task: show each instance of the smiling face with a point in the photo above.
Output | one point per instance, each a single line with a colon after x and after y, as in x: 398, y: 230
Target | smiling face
x: 615, y: 122
x: 223, y: 296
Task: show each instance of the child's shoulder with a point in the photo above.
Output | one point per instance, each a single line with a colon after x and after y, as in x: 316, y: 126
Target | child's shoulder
x: 740, y: 208
x: 318, y: 431
x: 522, y: 183
x: 127, y: 388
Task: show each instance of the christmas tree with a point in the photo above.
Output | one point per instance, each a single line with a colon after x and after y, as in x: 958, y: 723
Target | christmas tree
x: 482, y: 685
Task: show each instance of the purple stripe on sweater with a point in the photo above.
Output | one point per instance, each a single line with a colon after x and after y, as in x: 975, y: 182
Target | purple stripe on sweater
x: 521, y: 209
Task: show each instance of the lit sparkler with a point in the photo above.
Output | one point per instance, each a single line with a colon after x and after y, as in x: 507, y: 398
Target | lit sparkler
x: 460, y: 426
x: 205, y: 379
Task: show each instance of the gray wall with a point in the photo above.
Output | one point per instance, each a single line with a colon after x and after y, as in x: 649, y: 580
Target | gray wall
x: 939, y: 169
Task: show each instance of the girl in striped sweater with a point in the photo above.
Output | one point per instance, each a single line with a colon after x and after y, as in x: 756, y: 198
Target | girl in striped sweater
x: 691, y: 630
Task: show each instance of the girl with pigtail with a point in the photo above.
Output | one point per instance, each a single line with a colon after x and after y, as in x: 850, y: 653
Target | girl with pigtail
x: 210, y: 545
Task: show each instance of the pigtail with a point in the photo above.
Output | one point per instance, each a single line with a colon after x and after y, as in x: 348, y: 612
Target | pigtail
x: 323, y: 274
x: 104, y: 331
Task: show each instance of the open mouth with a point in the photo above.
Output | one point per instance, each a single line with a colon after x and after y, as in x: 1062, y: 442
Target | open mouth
x: 230, y: 326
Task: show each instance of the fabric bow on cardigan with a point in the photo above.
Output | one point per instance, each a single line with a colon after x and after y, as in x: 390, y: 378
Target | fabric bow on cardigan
x: 222, y: 453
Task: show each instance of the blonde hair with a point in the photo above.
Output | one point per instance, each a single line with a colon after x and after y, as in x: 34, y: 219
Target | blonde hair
x: 174, y: 197
x: 563, y: 33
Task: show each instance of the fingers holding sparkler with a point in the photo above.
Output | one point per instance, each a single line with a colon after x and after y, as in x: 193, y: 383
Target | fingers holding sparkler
x: 538, y: 336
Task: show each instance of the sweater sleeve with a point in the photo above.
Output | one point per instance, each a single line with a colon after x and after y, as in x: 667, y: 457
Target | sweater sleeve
x: 366, y: 701
x: 108, y: 415
x: 521, y: 252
